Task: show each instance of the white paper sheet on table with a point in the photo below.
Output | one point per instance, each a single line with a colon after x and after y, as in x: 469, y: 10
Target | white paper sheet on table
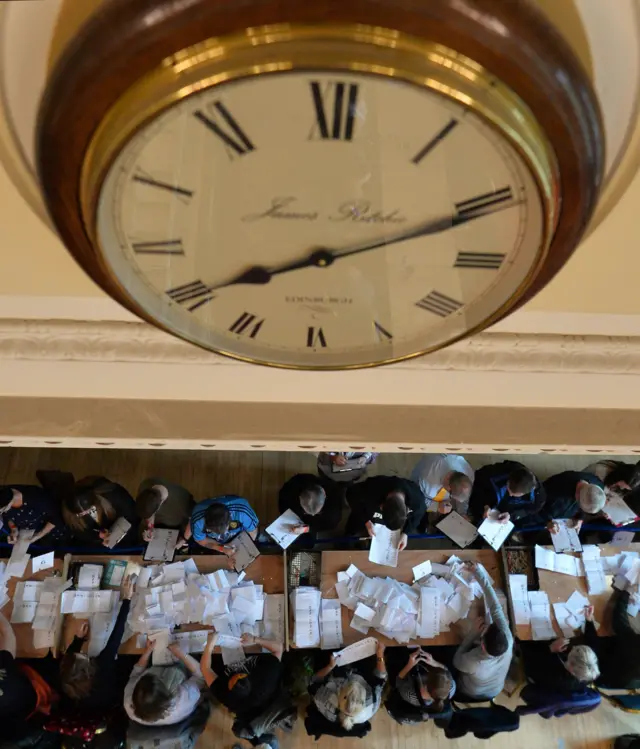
x: 23, y: 612
x: 330, y: 624
x: 364, y: 612
x: 577, y: 603
x: 384, y: 546
x: 43, y: 562
x: 357, y: 651
x: 546, y: 559
x: 43, y: 638
x: 193, y: 641
x: 520, y: 599
x: 494, y: 532
x: 566, y: 539
x: 89, y: 577
x: 618, y: 511
x: 306, y: 609
x: 246, y: 551
x: 459, y: 530
x: 428, y: 625
x: 117, y: 532
x: 622, y: 538
x: 421, y: 570
x: 280, y: 529
x: 162, y: 546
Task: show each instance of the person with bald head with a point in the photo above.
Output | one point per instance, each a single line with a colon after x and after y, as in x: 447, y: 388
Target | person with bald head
x: 572, y: 495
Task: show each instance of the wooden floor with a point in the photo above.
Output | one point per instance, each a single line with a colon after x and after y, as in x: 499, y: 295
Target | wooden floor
x: 258, y: 477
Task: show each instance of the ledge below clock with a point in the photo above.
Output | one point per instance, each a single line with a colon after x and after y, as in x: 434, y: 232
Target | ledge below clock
x: 118, y: 384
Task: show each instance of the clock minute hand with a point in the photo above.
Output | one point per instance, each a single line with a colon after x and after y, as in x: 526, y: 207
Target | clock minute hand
x: 432, y: 227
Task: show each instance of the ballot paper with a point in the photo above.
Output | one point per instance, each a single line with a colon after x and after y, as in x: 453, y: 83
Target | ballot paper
x: 305, y: 604
x: 246, y: 551
x: 358, y: 651
x: 89, y: 577
x: 421, y: 570
x: 459, y: 530
x: 618, y: 511
x: 19, y: 559
x: 541, y: 624
x: 232, y: 656
x: 564, y: 618
x: 23, y: 611
x: 520, y: 599
x: 280, y: 529
x: 577, y: 602
x: 330, y: 624
x: 594, y: 570
x: 384, y: 546
x: 43, y: 562
x: 622, y: 538
x: 117, y: 532
x: 546, y: 559
x: 428, y: 625
x: 566, y: 538
x: 493, y: 531
x: 273, y: 627
x: 162, y: 546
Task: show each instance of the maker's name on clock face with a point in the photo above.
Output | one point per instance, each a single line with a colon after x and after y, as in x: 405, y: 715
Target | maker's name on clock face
x: 320, y: 219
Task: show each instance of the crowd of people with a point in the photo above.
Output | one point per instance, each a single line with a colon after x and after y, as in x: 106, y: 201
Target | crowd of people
x: 106, y: 695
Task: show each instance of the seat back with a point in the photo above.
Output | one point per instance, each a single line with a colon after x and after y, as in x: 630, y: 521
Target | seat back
x: 552, y: 704
x: 483, y: 722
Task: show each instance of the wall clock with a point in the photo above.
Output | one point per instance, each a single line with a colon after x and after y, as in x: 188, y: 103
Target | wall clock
x: 320, y: 185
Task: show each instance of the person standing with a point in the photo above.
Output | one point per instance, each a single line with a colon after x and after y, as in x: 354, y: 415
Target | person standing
x: 484, y: 656
x: 446, y: 482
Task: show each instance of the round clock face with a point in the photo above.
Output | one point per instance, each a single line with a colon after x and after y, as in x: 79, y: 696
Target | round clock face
x: 320, y: 219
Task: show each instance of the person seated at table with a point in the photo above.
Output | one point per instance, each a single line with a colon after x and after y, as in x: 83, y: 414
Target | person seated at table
x: 344, y: 467
x: 91, y: 507
x: 510, y: 488
x: 316, y: 502
x: 445, y: 481
x: 91, y: 684
x: 215, y: 522
x: 251, y: 690
x: 559, y: 667
x: 161, y: 504
x: 24, y: 695
x: 618, y: 656
x: 483, y: 658
x: 617, y: 477
x: 423, y: 687
x: 389, y: 500
x: 572, y: 495
x: 163, y: 695
x: 31, y: 508
x: 347, y: 696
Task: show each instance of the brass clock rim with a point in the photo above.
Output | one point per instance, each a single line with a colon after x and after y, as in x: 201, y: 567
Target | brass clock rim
x: 181, y: 75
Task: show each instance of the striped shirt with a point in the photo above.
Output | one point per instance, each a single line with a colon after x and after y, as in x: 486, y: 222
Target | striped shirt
x: 243, y: 518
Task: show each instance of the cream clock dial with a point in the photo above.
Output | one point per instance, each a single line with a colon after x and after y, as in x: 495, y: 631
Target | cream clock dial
x: 320, y: 219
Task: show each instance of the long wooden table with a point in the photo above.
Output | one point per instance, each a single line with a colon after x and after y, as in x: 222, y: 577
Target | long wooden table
x: 560, y: 587
x: 267, y: 570
x: 338, y: 561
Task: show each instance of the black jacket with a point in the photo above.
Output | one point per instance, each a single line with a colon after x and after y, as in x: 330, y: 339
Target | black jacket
x: 367, y: 497
x: 490, y: 489
x: 561, y: 494
x: 329, y: 517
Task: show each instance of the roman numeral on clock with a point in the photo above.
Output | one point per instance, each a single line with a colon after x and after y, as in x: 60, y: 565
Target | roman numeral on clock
x: 192, y: 295
x: 480, y: 204
x: 383, y: 335
x: 335, y: 109
x: 315, y: 337
x: 145, y: 179
x: 438, y: 138
x: 439, y: 304
x: 165, y: 247
x: 479, y: 260
x: 220, y: 121
x: 245, y: 323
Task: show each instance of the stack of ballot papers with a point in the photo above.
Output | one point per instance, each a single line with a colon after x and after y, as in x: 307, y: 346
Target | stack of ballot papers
x: 405, y: 612
x: 172, y: 595
x: 520, y: 598
x: 305, y: 604
x: 493, y: 531
x: 571, y: 615
x: 19, y: 559
x: 566, y: 538
x: 541, y: 624
x: 330, y: 624
x: 384, y: 546
x: 37, y: 602
x: 546, y: 559
x: 625, y: 568
x: 593, y: 570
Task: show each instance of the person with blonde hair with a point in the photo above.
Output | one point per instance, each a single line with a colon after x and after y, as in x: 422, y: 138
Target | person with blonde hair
x: 560, y: 667
x: 347, y: 697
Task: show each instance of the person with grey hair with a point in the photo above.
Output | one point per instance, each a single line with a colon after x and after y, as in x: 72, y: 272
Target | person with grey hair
x: 446, y: 482
x: 316, y: 501
x: 571, y: 495
x: 560, y: 667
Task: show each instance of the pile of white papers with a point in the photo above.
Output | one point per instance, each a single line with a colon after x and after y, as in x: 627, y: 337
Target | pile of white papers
x: 541, y: 624
x: 566, y: 538
x: 493, y: 531
x: 593, y: 570
x: 520, y: 598
x: 171, y: 595
x: 405, y: 612
x: 570, y: 615
x: 305, y: 604
x: 625, y: 567
x: 546, y: 559
x: 38, y: 603
x: 384, y: 546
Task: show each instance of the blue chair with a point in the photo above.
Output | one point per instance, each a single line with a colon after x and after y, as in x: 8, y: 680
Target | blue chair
x: 629, y: 701
x: 554, y: 705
